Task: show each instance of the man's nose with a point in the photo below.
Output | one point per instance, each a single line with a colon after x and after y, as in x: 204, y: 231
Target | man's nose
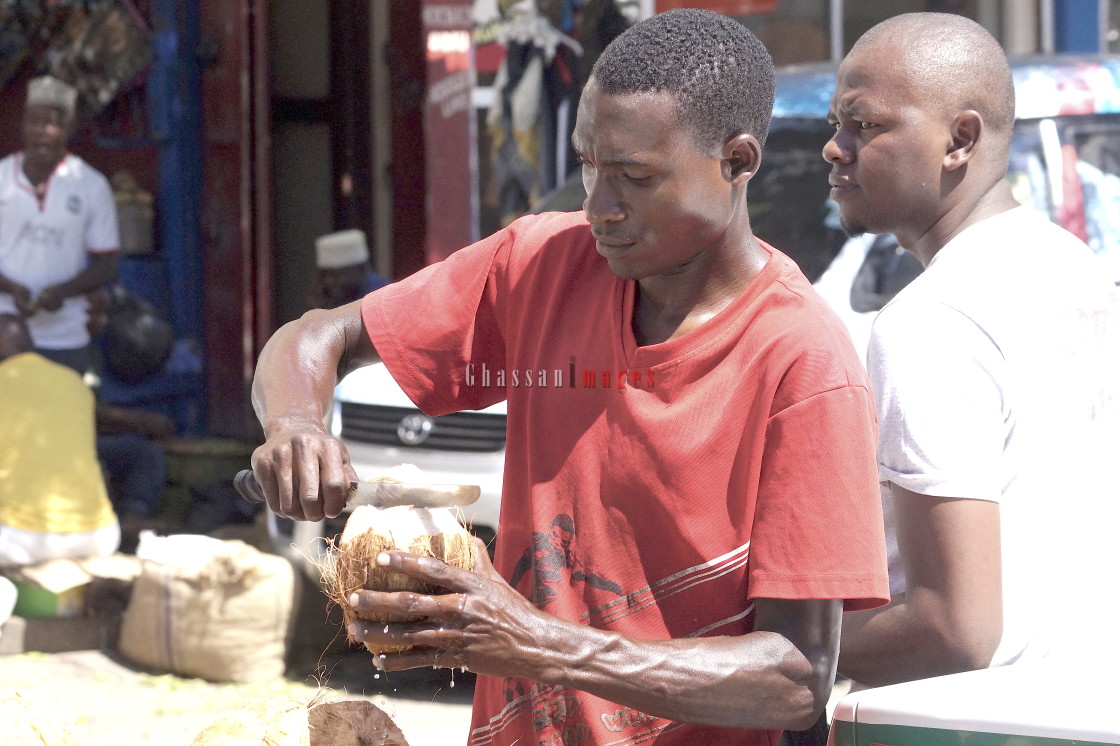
x: 602, y: 203
x: 838, y: 148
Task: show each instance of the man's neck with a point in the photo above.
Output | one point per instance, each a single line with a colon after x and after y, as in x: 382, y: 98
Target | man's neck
x: 672, y: 305
x: 38, y: 172
x: 961, y: 216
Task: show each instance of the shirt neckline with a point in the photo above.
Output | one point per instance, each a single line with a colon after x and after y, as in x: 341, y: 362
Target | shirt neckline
x: 673, y: 349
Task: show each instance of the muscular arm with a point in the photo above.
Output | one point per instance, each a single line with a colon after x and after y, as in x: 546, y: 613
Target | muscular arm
x: 303, y: 471
x: 951, y: 617
x: 778, y: 676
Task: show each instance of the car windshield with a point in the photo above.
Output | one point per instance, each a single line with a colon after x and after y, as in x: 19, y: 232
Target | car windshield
x: 788, y: 198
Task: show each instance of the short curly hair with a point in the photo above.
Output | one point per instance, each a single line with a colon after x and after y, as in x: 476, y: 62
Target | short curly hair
x: 720, y: 73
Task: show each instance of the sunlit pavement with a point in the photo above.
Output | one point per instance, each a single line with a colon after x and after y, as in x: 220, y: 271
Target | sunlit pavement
x: 103, y: 702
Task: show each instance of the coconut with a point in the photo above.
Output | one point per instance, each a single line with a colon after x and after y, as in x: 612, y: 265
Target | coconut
x: 430, y: 532
x: 284, y: 721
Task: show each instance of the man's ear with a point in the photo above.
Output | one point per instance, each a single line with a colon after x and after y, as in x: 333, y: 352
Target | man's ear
x: 742, y: 156
x: 965, y: 130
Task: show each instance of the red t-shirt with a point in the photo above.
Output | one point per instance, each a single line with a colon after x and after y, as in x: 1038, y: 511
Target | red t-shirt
x: 654, y: 491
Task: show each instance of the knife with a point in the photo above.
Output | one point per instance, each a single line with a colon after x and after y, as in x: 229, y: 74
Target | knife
x: 382, y: 492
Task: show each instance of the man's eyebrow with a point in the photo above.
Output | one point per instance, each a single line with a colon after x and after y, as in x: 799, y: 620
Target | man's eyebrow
x: 625, y: 161
x: 852, y: 102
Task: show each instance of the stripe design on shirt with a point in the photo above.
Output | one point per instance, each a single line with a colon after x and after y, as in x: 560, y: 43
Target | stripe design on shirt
x: 540, y: 696
x: 648, y: 735
x: 515, y: 709
x: 643, y: 598
x: 716, y: 625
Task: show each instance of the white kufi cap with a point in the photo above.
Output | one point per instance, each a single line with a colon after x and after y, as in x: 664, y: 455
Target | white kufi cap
x: 342, y: 249
x: 50, y: 91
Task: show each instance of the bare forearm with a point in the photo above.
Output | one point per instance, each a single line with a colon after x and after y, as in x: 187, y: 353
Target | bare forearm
x: 296, y: 373
x: 757, y: 681
x: 100, y: 272
x: 901, y: 643
x: 951, y: 617
x: 7, y: 285
x: 777, y: 677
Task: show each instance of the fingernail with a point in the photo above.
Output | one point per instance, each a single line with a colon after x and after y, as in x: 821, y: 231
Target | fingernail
x: 383, y: 559
x: 352, y: 628
x: 353, y: 600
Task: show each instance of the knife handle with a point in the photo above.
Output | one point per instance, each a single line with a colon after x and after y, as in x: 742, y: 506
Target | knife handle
x: 247, y: 486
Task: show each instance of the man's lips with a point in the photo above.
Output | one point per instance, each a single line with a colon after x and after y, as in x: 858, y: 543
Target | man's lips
x: 841, y: 186
x: 608, y: 245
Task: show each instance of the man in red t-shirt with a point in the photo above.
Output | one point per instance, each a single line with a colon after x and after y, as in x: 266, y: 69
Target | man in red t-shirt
x: 690, y: 495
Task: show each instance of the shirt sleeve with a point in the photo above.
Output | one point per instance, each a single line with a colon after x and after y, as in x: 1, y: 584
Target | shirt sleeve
x: 818, y: 531
x: 102, y: 230
x: 943, y: 421
x: 438, y: 328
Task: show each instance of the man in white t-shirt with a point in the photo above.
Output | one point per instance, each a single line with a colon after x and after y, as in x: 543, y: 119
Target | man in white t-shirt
x: 995, y: 371
x: 58, y: 228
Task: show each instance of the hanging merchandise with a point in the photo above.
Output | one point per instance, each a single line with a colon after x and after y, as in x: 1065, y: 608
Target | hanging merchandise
x: 534, y: 105
x: 26, y: 27
x: 15, y: 41
x: 101, y: 50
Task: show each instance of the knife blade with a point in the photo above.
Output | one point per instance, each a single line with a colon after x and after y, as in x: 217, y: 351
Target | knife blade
x: 383, y: 492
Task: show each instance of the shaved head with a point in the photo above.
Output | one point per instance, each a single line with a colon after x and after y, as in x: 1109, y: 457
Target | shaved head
x: 955, y: 61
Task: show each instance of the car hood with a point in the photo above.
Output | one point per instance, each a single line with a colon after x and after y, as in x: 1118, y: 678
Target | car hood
x: 373, y: 384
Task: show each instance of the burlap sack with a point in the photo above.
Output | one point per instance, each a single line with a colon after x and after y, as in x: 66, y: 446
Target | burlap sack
x: 220, y: 612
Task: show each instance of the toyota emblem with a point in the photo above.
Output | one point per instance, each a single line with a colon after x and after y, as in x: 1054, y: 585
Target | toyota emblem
x: 414, y: 429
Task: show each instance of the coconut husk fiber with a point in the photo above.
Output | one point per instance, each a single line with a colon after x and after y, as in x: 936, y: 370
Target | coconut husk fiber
x: 284, y: 721
x: 434, y: 532
x: 21, y: 724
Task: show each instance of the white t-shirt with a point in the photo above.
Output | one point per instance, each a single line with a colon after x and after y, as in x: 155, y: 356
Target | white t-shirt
x: 996, y: 378
x: 43, y: 243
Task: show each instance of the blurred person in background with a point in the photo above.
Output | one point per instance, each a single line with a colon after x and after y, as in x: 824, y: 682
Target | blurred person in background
x: 53, y: 500
x: 128, y: 448
x: 342, y: 270
x: 58, y: 228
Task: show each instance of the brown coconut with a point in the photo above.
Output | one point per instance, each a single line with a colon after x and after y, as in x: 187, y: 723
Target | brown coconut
x: 430, y: 532
x: 283, y: 721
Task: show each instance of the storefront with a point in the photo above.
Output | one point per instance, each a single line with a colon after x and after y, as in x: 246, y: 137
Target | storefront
x: 532, y: 57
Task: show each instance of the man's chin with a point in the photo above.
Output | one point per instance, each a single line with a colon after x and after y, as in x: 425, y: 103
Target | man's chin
x: 623, y: 271
x: 852, y: 228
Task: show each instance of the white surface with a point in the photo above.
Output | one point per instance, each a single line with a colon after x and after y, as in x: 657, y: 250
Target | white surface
x: 1042, y: 700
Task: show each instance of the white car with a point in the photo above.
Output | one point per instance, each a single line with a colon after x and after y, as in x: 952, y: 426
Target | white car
x: 385, y: 433
x: 1038, y: 704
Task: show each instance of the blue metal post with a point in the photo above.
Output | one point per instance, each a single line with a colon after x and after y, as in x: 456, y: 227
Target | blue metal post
x: 176, y: 119
x: 1077, y: 26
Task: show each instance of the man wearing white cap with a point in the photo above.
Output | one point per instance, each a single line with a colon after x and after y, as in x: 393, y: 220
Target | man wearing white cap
x: 344, y: 273
x: 58, y: 228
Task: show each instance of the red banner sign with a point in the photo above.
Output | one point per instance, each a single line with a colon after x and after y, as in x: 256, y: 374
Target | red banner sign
x: 726, y: 7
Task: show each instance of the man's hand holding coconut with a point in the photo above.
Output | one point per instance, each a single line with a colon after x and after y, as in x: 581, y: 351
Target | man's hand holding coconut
x: 480, y: 623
